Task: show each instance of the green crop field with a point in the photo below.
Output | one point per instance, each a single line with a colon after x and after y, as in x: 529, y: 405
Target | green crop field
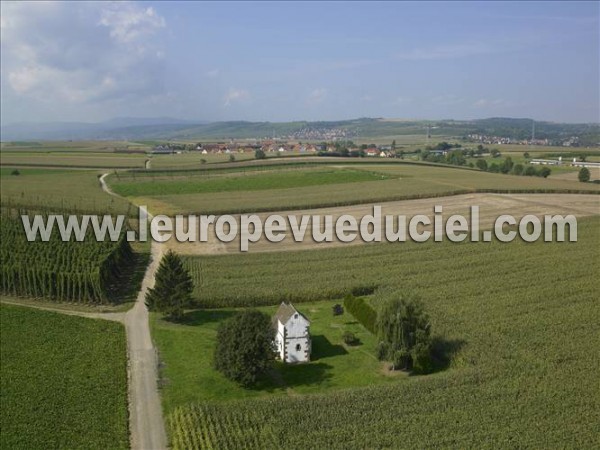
x: 64, y: 381
x: 245, y: 181
x: 79, y: 272
x: 521, y: 331
x: 71, y: 159
x: 393, y: 182
x: 195, y: 160
x: 62, y: 189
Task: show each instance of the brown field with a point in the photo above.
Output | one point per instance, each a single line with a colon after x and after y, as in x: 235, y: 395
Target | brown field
x: 490, y: 206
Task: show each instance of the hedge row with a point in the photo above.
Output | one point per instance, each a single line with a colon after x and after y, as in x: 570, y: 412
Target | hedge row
x: 361, y: 311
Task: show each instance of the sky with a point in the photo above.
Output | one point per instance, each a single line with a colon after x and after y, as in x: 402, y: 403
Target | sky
x: 267, y: 61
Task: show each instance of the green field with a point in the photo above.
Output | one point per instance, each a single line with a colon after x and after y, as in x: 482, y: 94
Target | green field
x: 89, y: 272
x: 334, y: 366
x: 62, y: 189
x: 64, y: 381
x: 233, y: 182
x: 393, y: 182
x: 522, y: 331
x: 193, y: 160
x: 71, y: 159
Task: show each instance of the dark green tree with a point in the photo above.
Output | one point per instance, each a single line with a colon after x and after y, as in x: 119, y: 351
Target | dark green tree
x: 244, y: 348
x: 172, y: 291
x: 260, y: 154
x: 507, y: 165
x: 530, y: 171
x: 518, y: 169
x: 584, y: 175
x: 404, y: 331
x: 456, y: 157
x: 544, y: 172
x: 481, y: 164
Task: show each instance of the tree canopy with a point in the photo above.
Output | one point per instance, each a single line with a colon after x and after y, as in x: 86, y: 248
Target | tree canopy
x: 172, y: 291
x: 244, y: 348
x: 584, y: 175
x: 404, y: 331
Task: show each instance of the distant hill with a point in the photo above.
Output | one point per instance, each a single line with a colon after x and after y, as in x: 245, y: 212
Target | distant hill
x: 88, y: 131
x: 175, y: 129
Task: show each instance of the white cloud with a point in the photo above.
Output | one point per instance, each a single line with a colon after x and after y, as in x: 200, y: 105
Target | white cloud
x: 235, y: 95
x: 80, y: 52
x: 213, y: 73
x: 317, y: 96
x: 129, y: 23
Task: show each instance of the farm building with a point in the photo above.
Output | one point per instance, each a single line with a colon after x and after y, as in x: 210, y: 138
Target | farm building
x: 292, y: 335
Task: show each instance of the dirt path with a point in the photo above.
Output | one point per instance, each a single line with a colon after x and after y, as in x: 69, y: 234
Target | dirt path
x: 146, y: 424
x: 145, y: 413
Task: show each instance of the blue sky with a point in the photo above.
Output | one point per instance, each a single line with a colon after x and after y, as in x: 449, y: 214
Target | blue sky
x: 300, y: 61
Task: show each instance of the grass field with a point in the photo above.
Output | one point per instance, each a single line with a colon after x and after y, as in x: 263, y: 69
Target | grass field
x: 395, y: 182
x: 194, y: 160
x: 521, y: 328
x: 64, y: 381
x: 335, y: 365
x: 71, y: 159
x: 77, y: 190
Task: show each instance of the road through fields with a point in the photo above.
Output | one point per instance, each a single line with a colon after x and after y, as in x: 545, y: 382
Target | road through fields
x: 146, y: 425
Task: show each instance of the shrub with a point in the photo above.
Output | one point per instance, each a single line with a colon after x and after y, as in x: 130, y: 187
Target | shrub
x: 494, y: 168
x: 584, y: 175
x: 544, y: 172
x: 338, y: 309
x: 482, y: 164
x: 244, y: 348
x: 507, y: 165
x: 15, y: 172
x: 260, y: 154
x: 361, y: 311
x: 349, y: 338
x: 518, y: 169
x: 530, y: 171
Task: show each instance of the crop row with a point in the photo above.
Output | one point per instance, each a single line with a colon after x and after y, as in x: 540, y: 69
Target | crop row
x: 437, y: 269
x: 83, y: 272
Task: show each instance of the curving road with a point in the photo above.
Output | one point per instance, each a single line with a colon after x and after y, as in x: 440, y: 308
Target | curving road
x: 146, y: 423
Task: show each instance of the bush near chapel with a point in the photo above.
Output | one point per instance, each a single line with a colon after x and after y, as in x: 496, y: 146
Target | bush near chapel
x: 244, y: 348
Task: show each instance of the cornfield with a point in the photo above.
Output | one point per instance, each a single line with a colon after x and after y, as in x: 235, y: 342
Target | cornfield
x: 80, y: 272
